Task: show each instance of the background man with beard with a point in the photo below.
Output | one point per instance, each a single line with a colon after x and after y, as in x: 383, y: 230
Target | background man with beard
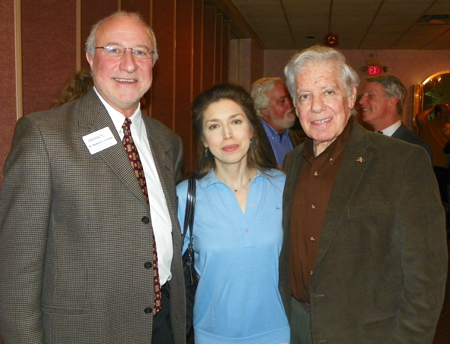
x: 274, y: 105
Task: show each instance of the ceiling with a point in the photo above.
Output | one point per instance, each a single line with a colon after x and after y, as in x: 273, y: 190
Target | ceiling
x: 359, y: 24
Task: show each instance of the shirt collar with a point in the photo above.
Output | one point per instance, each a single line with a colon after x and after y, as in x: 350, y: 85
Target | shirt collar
x: 389, y: 131
x: 271, y: 132
x: 118, y: 118
x: 211, y: 179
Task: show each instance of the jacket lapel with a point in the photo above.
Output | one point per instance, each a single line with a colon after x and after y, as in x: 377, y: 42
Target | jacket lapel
x: 95, y: 117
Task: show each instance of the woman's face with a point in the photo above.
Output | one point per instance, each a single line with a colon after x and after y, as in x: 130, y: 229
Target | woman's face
x: 227, y: 132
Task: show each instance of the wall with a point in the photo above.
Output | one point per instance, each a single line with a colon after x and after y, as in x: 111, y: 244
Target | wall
x: 246, y: 61
x: 8, y: 108
x: 412, y: 67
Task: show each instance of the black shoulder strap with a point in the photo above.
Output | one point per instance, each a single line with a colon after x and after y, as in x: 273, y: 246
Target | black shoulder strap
x: 190, y: 210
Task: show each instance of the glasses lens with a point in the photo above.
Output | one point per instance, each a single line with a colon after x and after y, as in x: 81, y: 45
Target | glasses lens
x: 141, y: 53
x: 113, y: 50
x: 118, y: 51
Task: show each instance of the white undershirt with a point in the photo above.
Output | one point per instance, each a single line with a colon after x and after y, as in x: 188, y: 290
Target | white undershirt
x: 160, y: 217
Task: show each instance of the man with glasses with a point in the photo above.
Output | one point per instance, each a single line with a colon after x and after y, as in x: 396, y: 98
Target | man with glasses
x: 89, y: 240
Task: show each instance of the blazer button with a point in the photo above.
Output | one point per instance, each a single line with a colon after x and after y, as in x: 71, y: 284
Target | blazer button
x: 148, y: 310
x: 145, y: 220
x: 148, y: 265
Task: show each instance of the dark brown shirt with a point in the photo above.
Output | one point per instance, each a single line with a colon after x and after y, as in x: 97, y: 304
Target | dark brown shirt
x: 312, y: 192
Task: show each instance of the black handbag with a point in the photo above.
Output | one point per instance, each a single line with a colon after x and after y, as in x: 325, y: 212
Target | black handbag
x: 190, y: 276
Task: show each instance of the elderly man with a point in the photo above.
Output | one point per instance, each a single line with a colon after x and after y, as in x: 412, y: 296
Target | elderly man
x: 381, y: 104
x: 89, y: 238
x: 273, y: 105
x: 365, y: 254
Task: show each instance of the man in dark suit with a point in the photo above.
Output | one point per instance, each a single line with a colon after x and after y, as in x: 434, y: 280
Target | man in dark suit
x: 273, y: 105
x: 365, y: 254
x: 77, y: 230
x: 381, y: 102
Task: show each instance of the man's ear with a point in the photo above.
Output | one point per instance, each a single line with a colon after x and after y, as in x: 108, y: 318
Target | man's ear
x: 265, y: 113
x: 352, y: 98
x: 89, y: 59
x: 393, y: 101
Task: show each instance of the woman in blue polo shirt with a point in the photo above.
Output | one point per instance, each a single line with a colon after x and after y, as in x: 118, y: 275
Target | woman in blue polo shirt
x: 238, y: 224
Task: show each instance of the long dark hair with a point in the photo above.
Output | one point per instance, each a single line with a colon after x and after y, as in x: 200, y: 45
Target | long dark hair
x: 257, y: 156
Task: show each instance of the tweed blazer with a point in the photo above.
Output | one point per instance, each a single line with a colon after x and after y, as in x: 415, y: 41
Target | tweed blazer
x: 404, y: 134
x: 75, y: 232
x: 381, y: 265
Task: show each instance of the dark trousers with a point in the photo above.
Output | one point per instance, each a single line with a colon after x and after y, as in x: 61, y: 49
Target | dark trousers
x: 162, y: 325
x: 300, y: 323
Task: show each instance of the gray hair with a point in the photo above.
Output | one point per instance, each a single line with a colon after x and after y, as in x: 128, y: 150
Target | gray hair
x: 317, y: 53
x: 259, y: 89
x: 393, y: 88
x: 90, y: 41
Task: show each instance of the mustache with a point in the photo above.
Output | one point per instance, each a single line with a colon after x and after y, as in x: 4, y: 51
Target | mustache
x: 292, y: 110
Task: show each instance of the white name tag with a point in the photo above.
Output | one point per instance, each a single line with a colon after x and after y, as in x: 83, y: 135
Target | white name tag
x: 99, y: 140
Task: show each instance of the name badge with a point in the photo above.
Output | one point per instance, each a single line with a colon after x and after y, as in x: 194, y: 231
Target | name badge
x: 99, y: 140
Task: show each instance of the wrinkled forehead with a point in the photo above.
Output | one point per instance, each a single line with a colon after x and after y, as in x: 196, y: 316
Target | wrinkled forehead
x: 317, y: 74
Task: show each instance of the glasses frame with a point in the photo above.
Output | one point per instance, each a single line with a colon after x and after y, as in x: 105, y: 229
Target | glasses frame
x: 124, y: 50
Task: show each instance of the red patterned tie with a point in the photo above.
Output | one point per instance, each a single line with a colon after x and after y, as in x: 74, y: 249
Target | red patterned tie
x: 135, y: 161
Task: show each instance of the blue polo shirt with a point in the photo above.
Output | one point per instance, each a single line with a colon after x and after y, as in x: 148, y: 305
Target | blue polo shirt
x: 236, y: 257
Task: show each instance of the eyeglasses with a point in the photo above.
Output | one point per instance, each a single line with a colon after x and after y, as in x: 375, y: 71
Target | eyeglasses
x: 117, y: 51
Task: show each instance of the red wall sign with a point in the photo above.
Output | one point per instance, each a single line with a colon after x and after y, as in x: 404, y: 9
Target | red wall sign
x: 374, y: 70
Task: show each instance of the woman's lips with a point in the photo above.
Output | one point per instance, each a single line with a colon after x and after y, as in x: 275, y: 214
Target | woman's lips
x: 230, y: 148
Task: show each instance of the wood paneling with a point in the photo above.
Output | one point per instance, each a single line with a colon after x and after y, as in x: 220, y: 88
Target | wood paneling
x: 184, y: 77
x: 162, y: 93
x: 140, y: 6
x: 224, y: 65
x: 218, y: 49
x: 197, y: 62
x: 48, y: 51
x: 7, y: 80
x: 209, y: 46
x: 91, y: 13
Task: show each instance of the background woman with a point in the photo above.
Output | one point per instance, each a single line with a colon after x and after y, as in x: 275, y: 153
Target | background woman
x: 237, y: 229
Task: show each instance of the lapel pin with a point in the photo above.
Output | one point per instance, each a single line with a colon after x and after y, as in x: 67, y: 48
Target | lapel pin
x: 359, y: 159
